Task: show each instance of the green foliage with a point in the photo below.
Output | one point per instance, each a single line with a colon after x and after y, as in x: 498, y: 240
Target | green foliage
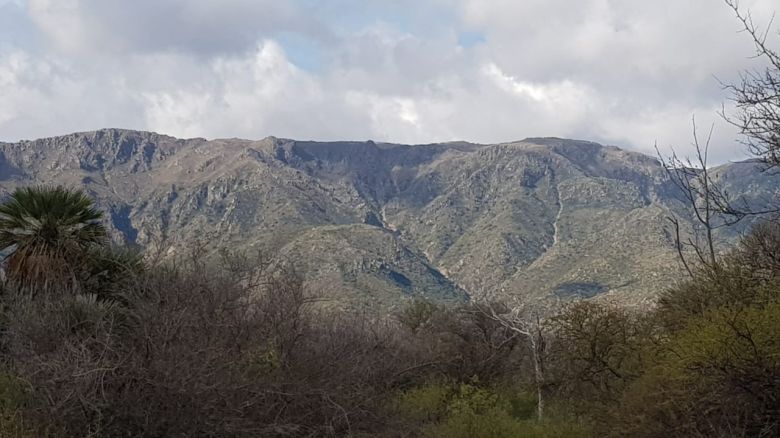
x: 13, y: 395
x: 717, y: 377
x: 262, y: 361
x: 714, y: 370
x: 47, y: 228
x: 85, y: 313
x: 727, y: 339
x: 55, y: 235
x: 12, y: 392
x: 234, y: 350
x: 418, y: 313
x: 427, y: 403
x: 521, y: 404
x: 491, y: 423
x: 732, y: 285
x: 749, y: 275
x: 597, y: 351
x: 106, y: 271
x: 470, y: 399
x: 49, y: 220
x: 704, y: 363
x: 468, y: 410
x: 497, y: 424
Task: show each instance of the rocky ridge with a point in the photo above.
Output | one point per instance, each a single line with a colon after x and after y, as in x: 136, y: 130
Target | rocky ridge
x: 372, y: 222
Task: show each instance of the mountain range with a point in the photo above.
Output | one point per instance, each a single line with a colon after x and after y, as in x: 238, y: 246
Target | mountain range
x: 370, y: 223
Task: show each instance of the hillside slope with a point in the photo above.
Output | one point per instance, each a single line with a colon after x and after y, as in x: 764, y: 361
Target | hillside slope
x: 377, y: 222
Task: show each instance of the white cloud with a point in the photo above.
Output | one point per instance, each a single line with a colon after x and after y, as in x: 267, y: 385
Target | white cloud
x: 647, y: 66
x: 554, y: 96
x: 628, y: 72
x: 64, y: 23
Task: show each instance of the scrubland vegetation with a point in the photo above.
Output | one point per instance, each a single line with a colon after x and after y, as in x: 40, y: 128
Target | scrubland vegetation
x: 100, y: 341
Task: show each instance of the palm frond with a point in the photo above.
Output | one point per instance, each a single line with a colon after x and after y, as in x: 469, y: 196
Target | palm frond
x: 44, y: 227
x: 49, y: 220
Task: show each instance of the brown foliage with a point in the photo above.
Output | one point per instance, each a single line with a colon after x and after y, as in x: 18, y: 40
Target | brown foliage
x: 193, y: 348
x: 199, y: 352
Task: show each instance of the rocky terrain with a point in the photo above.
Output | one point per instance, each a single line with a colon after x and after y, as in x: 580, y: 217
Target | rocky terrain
x: 369, y: 223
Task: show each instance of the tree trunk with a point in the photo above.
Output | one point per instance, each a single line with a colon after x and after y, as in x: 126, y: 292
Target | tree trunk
x: 538, y: 376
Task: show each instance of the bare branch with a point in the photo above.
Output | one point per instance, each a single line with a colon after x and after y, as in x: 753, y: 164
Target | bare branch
x: 757, y: 94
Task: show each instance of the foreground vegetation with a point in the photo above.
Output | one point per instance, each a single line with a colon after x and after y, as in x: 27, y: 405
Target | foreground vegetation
x: 98, y: 341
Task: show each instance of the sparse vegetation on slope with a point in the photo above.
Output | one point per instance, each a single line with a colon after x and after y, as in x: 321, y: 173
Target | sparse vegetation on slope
x: 239, y: 346
x: 537, y: 217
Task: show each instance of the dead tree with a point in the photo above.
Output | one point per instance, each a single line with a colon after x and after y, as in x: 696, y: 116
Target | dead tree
x: 757, y: 99
x: 756, y: 95
x: 527, y: 323
x: 711, y: 207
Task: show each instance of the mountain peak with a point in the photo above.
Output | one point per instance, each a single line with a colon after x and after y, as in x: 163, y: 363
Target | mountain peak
x: 537, y: 217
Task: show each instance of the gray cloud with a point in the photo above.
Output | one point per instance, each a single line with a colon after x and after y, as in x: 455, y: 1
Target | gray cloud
x: 623, y: 72
x: 193, y: 26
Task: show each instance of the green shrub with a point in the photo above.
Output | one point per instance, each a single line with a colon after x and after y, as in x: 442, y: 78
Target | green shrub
x: 13, y: 395
x: 489, y: 423
x: 473, y: 411
x: 417, y: 313
x: 715, y: 377
x: 426, y: 403
x: 108, y: 271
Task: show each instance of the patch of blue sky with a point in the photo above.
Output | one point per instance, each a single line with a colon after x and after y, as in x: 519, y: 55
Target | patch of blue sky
x: 468, y: 39
x: 16, y: 28
x: 302, y: 51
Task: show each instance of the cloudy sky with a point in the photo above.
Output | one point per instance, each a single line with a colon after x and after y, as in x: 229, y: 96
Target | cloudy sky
x: 623, y: 72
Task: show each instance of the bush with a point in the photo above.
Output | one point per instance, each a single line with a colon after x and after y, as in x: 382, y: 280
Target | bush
x: 13, y: 396
x: 471, y: 410
x: 748, y: 275
x: 192, y: 349
x: 596, y: 350
x: 717, y: 377
x: 418, y: 314
x: 229, y: 347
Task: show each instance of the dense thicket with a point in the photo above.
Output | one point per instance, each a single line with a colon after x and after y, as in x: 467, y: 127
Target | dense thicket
x: 189, y: 348
x: 228, y: 346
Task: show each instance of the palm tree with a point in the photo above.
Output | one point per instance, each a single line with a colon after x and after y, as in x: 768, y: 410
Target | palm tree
x: 46, y: 229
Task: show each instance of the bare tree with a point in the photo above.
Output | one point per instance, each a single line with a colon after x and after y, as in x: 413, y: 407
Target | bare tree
x: 757, y: 99
x: 710, y: 205
x: 527, y: 323
x: 757, y: 94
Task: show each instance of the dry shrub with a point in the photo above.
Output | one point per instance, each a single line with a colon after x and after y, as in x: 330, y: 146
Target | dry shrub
x: 197, y: 351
